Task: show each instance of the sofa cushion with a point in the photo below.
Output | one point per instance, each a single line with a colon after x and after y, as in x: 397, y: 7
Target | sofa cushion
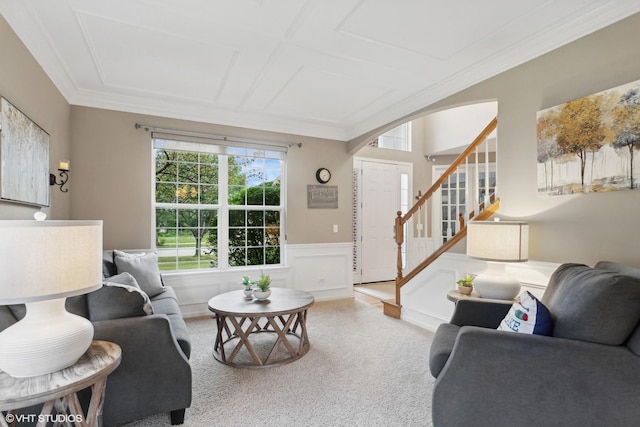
x: 168, y: 293
x: 441, y: 347
x: 634, y: 341
x: 115, y: 301
x: 144, y: 267
x: 591, y: 304
x: 166, y: 303
x: 527, y: 316
x: 123, y: 279
x: 165, y: 306
x: 108, y: 265
x: 6, y: 317
x: 180, y: 331
x: 619, y: 268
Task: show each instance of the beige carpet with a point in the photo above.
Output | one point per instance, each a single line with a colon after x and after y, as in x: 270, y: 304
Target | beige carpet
x: 363, y: 369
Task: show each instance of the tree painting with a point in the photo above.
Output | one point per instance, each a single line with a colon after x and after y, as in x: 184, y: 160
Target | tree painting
x: 626, y: 126
x: 588, y: 144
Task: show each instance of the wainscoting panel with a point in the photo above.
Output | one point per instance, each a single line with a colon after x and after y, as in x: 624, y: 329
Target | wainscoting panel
x: 324, y: 270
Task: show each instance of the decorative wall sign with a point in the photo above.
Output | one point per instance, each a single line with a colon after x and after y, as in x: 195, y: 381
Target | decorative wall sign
x: 24, y: 158
x: 322, y: 196
x: 589, y: 144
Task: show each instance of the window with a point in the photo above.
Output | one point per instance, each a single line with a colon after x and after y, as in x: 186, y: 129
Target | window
x: 217, y: 206
x: 398, y: 138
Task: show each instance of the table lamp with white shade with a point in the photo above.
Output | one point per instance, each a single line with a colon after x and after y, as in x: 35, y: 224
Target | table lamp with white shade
x: 41, y: 264
x: 497, y: 242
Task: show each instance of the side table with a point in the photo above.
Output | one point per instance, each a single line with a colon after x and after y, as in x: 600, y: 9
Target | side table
x: 58, y: 390
x: 455, y: 296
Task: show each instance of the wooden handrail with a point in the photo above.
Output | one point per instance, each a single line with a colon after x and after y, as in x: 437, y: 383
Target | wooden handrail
x: 451, y: 169
x: 483, y: 213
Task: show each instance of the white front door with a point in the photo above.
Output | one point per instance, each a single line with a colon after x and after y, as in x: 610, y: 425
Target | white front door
x: 383, y: 185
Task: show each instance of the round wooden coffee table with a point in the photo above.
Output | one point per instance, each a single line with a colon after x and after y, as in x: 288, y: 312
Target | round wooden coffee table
x: 261, y: 327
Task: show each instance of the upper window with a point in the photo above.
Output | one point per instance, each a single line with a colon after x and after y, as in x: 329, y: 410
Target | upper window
x: 398, y: 138
x: 217, y: 206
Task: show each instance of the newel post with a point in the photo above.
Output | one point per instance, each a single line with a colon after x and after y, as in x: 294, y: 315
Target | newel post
x: 399, y: 241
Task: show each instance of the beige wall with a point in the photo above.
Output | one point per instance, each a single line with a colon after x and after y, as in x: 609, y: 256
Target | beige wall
x: 113, y: 177
x: 25, y: 85
x: 580, y: 228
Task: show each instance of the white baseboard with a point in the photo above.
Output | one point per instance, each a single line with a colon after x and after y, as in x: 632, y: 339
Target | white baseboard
x: 422, y: 320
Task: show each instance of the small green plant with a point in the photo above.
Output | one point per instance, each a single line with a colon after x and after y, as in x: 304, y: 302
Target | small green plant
x: 246, y: 282
x: 263, y: 282
x: 466, y: 282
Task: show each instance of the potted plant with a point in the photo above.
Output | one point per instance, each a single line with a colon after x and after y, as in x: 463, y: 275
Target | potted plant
x: 264, y: 287
x: 246, y: 282
x: 465, y: 286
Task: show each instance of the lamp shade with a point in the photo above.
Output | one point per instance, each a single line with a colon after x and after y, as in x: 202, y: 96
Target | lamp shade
x: 502, y: 241
x: 43, y: 260
x: 42, y: 263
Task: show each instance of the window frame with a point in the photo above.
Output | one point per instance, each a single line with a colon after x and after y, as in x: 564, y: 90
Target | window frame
x: 406, y: 141
x: 224, y: 151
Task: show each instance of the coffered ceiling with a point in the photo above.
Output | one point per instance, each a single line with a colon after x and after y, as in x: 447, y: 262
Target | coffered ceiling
x: 327, y: 68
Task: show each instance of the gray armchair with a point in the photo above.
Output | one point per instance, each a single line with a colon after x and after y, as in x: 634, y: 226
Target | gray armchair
x: 586, y: 374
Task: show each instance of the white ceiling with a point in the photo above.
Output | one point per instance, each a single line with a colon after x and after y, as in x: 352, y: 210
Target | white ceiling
x: 327, y: 68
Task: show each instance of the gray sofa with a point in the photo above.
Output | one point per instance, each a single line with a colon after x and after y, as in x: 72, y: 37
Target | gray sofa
x: 154, y: 375
x: 587, y: 373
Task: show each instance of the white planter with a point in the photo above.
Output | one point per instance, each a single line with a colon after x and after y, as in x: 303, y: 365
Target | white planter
x: 260, y: 295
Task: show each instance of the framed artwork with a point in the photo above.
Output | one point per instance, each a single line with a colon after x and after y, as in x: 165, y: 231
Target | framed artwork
x: 24, y: 158
x: 590, y: 144
x: 322, y: 197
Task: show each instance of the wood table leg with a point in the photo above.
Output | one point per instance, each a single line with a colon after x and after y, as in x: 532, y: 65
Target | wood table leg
x: 244, y: 339
x: 219, y: 344
x: 75, y: 410
x: 282, y: 338
x: 94, y: 413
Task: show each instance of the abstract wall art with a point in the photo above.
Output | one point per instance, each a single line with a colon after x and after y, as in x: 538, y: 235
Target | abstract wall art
x: 24, y: 158
x: 591, y: 144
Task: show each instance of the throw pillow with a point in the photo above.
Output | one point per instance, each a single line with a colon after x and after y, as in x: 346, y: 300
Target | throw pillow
x: 527, y: 316
x: 144, y: 268
x: 116, y: 300
x: 123, y: 279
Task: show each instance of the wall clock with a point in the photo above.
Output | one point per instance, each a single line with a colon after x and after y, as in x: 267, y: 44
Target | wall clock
x: 323, y: 175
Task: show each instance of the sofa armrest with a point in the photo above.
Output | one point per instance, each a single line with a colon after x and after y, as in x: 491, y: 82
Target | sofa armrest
x: 496, y: 375
x: 152, y: 365
x: 476, y: 312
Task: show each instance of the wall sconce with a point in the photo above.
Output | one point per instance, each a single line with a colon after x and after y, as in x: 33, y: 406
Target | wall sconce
x: 64, y: 176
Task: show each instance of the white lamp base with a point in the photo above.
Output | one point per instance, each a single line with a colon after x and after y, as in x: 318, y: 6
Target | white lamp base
x: 48, y: 339
x: 495, y: 283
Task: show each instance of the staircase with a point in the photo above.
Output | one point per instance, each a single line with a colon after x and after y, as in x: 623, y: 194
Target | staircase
x: 472, y: 163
